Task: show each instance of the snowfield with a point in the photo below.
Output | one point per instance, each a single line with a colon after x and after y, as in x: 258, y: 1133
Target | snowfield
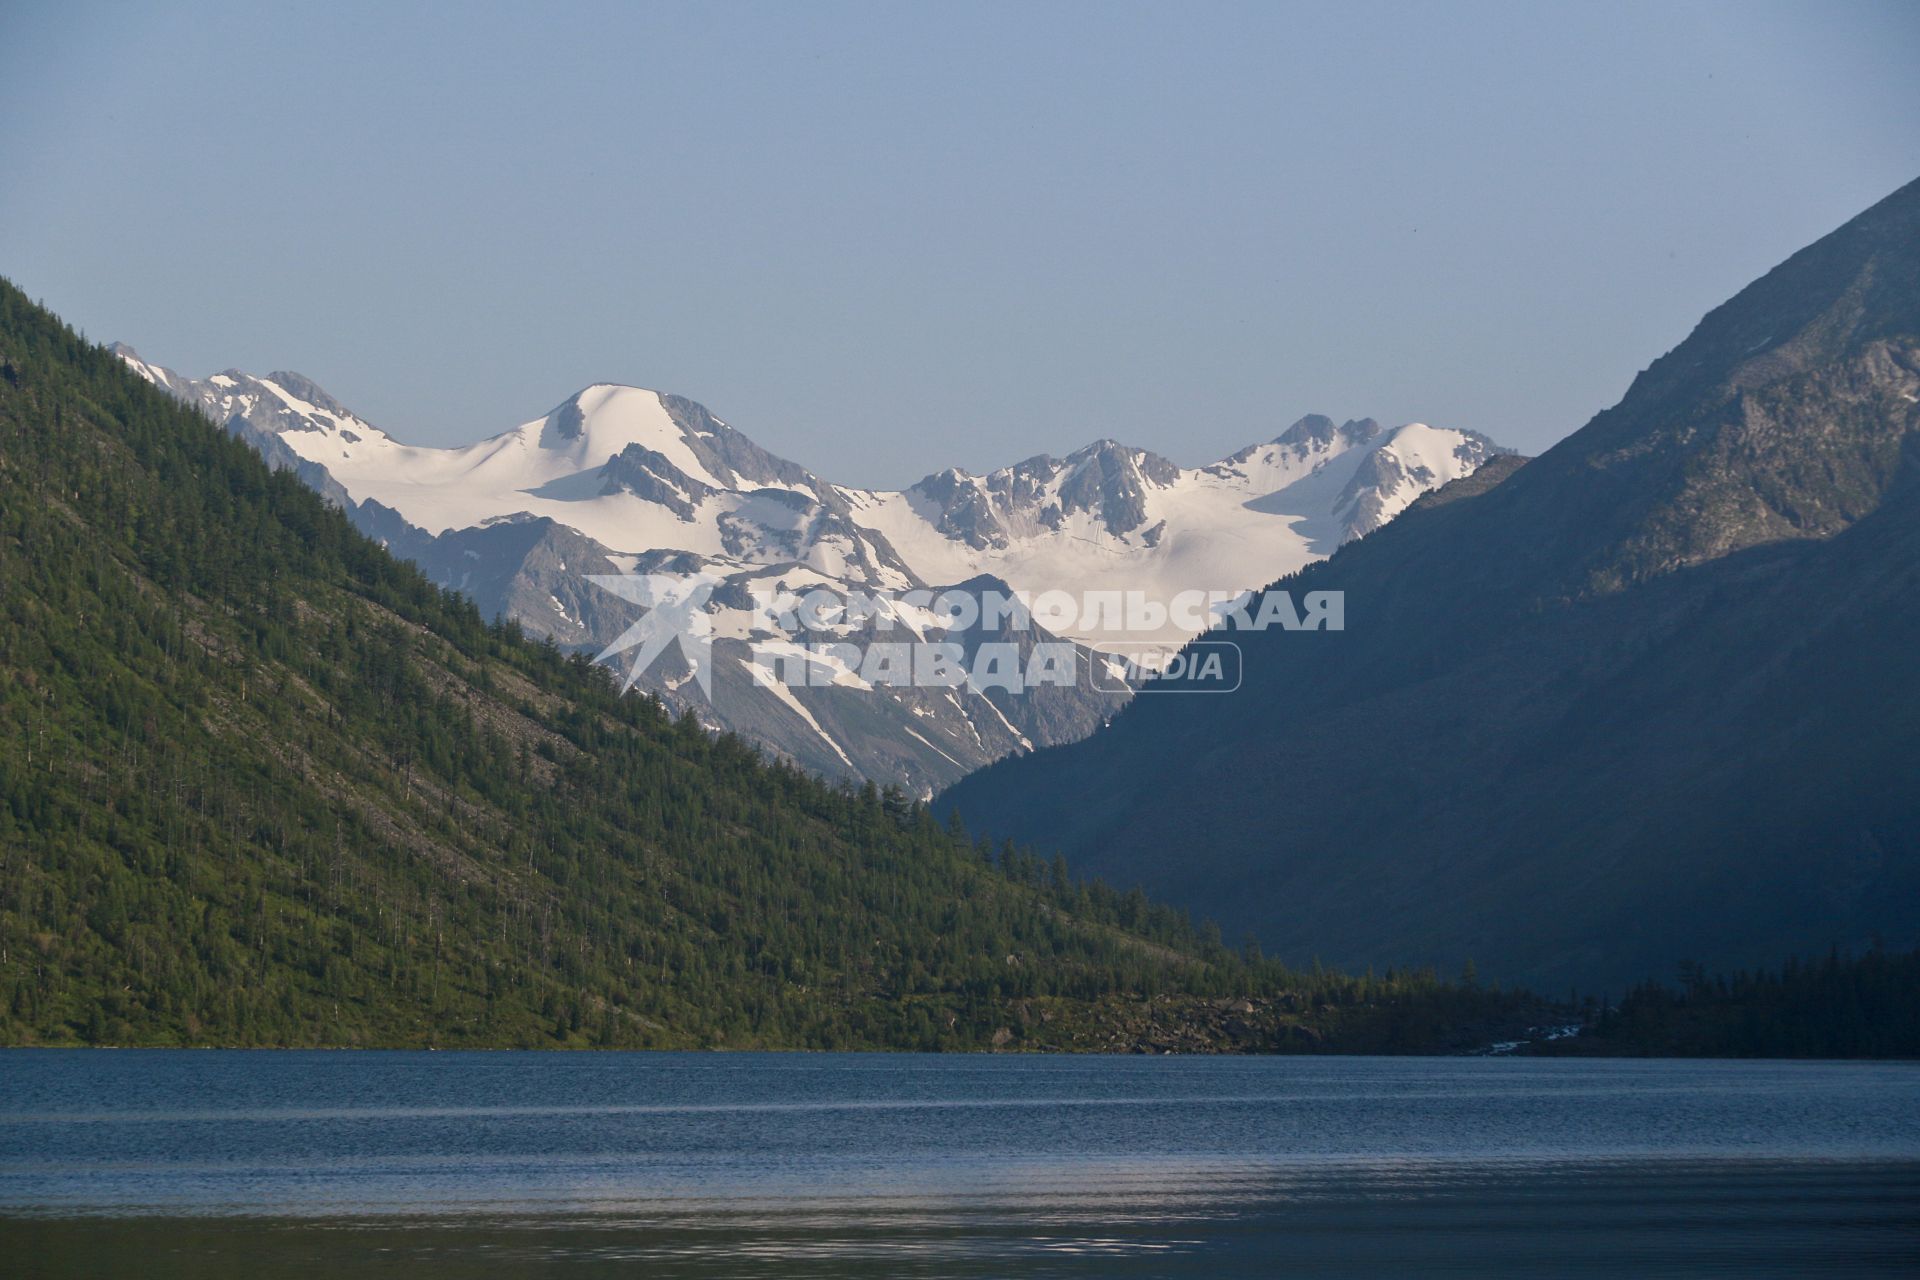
x: 620, y: 479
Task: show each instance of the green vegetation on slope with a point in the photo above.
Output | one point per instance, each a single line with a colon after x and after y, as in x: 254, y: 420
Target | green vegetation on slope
x: 261, y: 783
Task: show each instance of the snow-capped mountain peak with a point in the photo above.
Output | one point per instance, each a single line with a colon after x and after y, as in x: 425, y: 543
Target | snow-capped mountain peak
x: 621, y: 479
x: 1113, y: 518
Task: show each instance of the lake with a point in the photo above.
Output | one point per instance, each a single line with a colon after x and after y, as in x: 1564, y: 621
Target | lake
x: 258, y: 1164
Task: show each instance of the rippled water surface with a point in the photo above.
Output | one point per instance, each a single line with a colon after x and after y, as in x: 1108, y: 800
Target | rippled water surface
x: 446, y: 1164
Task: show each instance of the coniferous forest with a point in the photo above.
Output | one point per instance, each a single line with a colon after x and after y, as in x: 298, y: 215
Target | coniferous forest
x: 1837, y: 1007
x: 263, y: 784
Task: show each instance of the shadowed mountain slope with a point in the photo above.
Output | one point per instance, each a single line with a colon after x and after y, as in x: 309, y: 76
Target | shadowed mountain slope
x: 1653, y: 696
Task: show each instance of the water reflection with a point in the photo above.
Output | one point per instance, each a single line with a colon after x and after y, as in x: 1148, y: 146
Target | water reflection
x: 1732, y: 1218
x: 517, y: 1164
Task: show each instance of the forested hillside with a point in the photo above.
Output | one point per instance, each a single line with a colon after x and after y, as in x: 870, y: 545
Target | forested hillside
x: 1864, y: 1006
x: 260, y: 783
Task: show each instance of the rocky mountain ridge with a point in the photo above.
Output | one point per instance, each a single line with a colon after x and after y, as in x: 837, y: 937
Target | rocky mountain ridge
x: 623, y: 480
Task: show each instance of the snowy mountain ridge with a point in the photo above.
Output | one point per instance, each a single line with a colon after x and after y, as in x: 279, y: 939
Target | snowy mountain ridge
x: 619, y: 479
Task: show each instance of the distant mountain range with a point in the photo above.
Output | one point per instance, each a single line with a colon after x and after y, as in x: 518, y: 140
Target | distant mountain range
x: 618, y: 479
x: 261, y: 783
x: 1651, y: 697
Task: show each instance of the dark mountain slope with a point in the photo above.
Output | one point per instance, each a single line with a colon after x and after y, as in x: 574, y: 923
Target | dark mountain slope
x: 1652, y: 696
x: 260, y: 783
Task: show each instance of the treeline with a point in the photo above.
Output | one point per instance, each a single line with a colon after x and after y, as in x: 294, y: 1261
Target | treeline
x: 1839, y: 1007
x: 263, y: 784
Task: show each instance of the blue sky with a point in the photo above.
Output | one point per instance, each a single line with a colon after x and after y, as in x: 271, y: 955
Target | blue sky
x: 883, y: 239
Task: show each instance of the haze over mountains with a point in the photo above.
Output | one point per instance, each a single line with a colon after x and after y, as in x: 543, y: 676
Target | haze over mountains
x: 1648, y: 698
x: 620, y: 479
